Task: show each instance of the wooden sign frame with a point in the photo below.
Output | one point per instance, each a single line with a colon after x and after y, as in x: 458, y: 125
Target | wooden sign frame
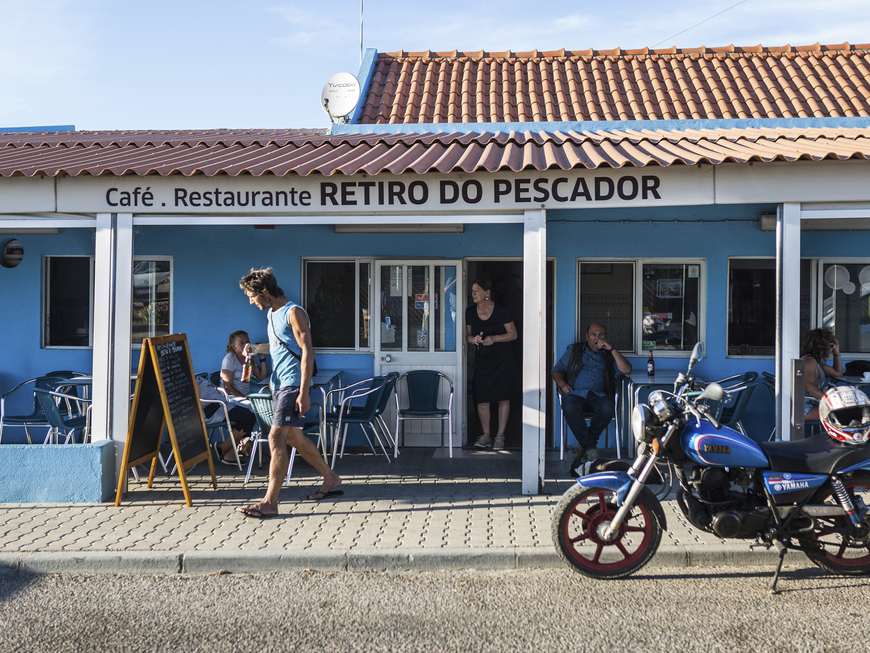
x: 166, y: 396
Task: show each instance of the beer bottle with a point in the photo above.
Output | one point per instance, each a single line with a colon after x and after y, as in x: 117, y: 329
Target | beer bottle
x: 249, y: 366
x: 651, y: 365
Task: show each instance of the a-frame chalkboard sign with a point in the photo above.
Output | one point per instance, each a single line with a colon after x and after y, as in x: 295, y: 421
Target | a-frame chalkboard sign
x: 166, y: 396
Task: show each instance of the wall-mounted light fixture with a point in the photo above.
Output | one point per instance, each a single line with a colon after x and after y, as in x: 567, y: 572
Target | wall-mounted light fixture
x: 445, y: 228
x: 32, y: 231
x: 11, y: 253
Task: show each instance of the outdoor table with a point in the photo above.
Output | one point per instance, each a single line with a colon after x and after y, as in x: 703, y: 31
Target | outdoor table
x: 857, y: 381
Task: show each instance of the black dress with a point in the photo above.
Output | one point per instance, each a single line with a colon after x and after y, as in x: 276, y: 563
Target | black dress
x: 495, y: 371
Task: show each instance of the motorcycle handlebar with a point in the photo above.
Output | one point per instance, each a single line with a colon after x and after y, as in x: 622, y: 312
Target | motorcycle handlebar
x: 705, y: 412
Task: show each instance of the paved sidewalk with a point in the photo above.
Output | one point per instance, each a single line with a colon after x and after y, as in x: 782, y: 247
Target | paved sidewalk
x: 423, y: 511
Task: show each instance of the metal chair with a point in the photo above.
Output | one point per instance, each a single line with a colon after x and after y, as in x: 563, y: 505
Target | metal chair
x: 37, y: 417
x: 261, y: 404
x: 78, y: 418
x: 346, y: 413
x: 219, y: 426
x: 422, y: 390
x: 563, y: 430
x: 740, y: 391
x: 768, y: 380
x: 390, y: 385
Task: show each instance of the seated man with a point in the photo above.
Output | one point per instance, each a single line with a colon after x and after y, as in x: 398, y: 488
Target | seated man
x: 586, y: 377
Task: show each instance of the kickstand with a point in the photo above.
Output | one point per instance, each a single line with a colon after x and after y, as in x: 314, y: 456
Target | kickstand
x: 782, y: 551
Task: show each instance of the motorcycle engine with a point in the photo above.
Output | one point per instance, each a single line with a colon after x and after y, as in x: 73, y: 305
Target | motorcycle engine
x: 723, y: 509
x: 711, y: 484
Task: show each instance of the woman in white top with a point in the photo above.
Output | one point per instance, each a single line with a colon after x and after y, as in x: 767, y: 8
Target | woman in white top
x: 231, y: 381
x: 234, y: 363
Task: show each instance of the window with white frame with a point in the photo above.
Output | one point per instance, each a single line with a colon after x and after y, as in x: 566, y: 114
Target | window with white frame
x: 843, y: 305
x: 643, y: 303
x: 336, y: 296
x: 752, y: 305
x: 68, y: 300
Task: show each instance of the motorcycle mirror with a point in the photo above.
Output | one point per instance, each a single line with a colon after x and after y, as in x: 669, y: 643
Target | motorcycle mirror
x: 697, y: 354
x: 713, y: 391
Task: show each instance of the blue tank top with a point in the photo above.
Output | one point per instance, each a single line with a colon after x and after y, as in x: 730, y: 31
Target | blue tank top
x: 286, y: 368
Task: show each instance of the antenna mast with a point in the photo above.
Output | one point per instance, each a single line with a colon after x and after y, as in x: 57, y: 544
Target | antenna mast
x: 360, y: 31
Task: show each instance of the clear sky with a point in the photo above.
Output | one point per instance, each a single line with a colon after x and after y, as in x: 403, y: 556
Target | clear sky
x: 204, y: 64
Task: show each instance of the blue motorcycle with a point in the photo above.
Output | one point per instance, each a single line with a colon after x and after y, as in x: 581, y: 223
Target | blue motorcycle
x: 807, y: 495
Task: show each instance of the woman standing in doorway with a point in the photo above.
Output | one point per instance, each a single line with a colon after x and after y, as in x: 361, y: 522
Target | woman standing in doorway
x: 490, y: 329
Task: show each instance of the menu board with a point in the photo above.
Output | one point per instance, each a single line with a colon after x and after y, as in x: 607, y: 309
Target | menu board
x: 166, y: 397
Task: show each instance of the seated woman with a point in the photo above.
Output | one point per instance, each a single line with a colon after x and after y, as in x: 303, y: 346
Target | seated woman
x: 234, y: 364
x: 238, y: 347
x: 818, y: 346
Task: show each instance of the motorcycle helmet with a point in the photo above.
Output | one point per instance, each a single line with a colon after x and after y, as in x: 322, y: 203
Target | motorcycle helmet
x: 845, y: 414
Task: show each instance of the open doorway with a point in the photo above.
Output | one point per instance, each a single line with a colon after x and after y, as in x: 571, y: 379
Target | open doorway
x: 506, y: 276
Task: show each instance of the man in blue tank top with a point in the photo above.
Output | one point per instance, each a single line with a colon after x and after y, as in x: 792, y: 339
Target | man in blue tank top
x: 291, y: 384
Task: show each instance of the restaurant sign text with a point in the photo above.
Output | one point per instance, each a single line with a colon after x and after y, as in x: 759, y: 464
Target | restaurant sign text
x: 385, y: 193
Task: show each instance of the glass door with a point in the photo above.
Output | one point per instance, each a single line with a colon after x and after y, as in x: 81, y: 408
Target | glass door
x: 418, y: 328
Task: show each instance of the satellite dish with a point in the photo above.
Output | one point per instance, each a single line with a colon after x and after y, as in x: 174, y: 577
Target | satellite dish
x: 340, y: 95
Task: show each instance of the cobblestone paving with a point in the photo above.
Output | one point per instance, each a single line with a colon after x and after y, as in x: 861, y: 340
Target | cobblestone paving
x: 421, y: 500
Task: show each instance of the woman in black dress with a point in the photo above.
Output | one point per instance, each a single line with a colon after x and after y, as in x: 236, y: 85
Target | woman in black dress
x: 490, y: 329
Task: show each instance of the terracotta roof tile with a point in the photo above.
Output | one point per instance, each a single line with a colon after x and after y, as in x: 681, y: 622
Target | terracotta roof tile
x: 306, y: 152
x: 564, y: 86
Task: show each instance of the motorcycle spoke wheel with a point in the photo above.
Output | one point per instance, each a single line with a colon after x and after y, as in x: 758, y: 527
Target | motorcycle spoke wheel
x: 581, y: 514
x: 835, y: 551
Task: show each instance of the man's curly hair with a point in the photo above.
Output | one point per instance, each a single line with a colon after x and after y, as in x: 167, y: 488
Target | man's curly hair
x: 260, y: 282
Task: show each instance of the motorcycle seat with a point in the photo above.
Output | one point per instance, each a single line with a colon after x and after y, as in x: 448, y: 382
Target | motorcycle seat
x: 817, y: 455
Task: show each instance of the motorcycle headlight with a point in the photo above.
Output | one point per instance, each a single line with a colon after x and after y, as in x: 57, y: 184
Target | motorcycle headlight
x: 642, y: 419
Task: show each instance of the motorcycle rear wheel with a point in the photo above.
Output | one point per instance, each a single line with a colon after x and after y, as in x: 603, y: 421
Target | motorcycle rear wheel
x: 839, y: 553
x: 575, y: 525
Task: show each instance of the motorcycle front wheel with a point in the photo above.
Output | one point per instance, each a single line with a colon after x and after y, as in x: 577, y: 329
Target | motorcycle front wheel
x: 575, y: 530
x: 839, y: 552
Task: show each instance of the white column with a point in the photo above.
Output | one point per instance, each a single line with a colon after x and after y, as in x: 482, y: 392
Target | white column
x: 534, y: 350
x: 788, y: 268
x: 112, y: 317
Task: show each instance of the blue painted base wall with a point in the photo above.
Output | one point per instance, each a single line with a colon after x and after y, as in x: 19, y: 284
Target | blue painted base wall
x: 57, y: 473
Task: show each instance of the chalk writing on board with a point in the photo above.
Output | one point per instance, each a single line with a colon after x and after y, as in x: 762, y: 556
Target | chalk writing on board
x: 181, y: 398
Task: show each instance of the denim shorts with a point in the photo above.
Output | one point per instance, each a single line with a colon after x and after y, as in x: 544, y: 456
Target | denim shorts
x: 284, y: 407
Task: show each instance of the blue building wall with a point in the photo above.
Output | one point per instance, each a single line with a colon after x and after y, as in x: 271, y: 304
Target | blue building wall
x: 20, y: 318
x: 209, y: 261
x: 713, y: 233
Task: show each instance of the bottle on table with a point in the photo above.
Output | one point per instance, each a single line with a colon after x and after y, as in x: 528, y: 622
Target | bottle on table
x: 651, y: 365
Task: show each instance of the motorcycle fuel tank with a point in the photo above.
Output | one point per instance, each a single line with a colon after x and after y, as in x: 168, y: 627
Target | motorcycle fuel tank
x: 722, y: 448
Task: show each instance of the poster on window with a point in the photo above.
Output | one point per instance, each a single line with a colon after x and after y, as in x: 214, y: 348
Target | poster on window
x: 669, y: 288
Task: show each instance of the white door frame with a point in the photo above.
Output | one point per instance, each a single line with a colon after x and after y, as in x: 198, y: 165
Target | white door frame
x: 402, y: 360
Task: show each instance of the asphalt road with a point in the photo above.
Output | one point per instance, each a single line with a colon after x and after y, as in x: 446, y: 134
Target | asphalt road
x: 716, y: 609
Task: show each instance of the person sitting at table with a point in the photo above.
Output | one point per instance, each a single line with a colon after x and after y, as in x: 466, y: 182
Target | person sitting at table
x: 234, y: 364
x: 237, y: 390
x: 586, y: 377
x: 818, y: 346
